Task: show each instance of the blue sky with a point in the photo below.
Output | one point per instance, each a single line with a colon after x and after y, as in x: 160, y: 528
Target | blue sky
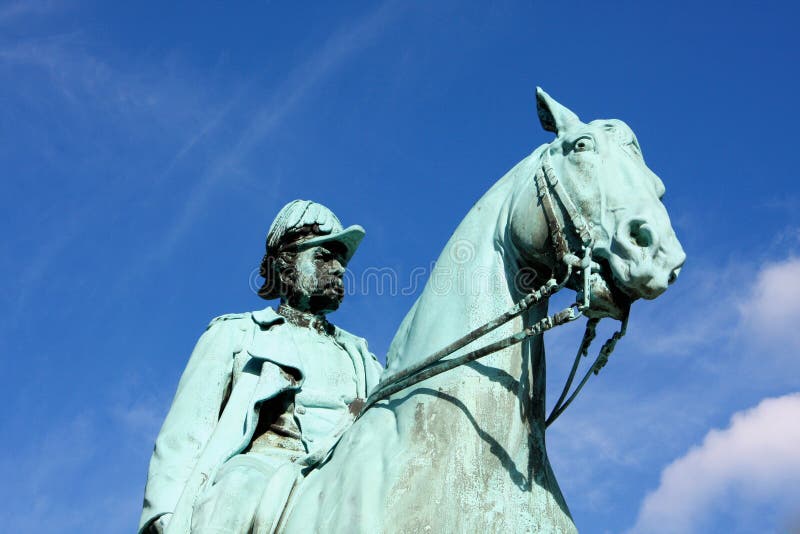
x: 145, y: 148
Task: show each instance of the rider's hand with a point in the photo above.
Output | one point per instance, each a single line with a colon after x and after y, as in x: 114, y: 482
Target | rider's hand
x: 159, y: 525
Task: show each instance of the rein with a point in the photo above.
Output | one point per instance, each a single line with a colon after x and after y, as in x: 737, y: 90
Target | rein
x: 436, y: 363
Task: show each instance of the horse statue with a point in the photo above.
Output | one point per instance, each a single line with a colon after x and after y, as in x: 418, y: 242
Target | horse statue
x: 464, y: 450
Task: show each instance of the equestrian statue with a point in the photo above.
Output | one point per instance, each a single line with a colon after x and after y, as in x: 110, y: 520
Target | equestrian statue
x: 285, y: 423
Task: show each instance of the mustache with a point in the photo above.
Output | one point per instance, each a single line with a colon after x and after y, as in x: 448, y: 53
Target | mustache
x: 330, y: 289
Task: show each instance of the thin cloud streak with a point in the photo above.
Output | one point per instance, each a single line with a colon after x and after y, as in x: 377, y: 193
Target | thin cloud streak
x: 12, y: 11
x: 202, y: 133
x: 334, y: 53
x: 131, y: 101
x: 86, y: 82
x: 701, y: 310
x: 739, y: 307
x: 67, y: 461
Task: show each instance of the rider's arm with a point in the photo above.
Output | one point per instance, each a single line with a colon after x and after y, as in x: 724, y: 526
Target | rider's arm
x: 191, y: 420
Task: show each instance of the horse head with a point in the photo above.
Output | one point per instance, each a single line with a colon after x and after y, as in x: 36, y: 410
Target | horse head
x: 603, y: 173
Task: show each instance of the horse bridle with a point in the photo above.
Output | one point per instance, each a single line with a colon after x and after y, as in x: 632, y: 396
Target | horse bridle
x: 548, y: 186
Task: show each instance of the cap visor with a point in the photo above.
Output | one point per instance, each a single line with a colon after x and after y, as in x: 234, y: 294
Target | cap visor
x: 350, y: 237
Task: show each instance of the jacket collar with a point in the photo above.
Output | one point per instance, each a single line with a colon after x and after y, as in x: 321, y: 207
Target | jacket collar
x: 277, y: 345
x: 267, y: 317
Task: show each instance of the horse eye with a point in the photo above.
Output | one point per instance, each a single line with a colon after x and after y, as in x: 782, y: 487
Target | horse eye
x: 584, y: 144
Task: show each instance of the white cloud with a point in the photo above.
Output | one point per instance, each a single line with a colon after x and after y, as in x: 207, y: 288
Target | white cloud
x: 755, y: 460
x: 772, y: 311
x: 713, y: 339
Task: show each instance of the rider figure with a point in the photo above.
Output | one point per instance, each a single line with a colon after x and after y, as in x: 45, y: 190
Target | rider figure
x: 265, y: 393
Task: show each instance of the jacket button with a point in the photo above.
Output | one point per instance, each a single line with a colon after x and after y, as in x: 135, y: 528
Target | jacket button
x: 300, y: 409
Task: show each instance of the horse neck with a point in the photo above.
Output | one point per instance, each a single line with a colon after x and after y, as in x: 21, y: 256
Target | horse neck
x: 490, y: 412
x: 473, y: 282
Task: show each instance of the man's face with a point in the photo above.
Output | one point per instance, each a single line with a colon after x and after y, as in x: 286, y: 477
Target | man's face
x: 317, y: 279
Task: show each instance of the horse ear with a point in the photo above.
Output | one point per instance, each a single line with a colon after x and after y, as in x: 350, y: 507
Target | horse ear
x: 553, y: 116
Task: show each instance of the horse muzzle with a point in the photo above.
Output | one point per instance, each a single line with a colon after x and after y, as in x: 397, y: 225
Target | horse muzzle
x: 644, y: 262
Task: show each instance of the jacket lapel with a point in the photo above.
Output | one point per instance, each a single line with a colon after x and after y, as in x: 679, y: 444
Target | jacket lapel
x: 366, y: 376
x: 272, y: 343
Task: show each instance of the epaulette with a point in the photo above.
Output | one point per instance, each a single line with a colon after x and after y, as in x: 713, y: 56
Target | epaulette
x: 228, y: 317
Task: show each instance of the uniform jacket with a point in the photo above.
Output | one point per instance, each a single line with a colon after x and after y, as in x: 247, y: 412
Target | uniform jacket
x: 239, y: 362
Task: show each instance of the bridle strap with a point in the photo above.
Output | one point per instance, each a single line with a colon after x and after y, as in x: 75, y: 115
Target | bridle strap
x: 436, y: 364
x: 556, y: 229
x: 427, y: 368
x: 578, y: 221
x: 546, y: 180
x: 600, y: 362
x: 582, y: 228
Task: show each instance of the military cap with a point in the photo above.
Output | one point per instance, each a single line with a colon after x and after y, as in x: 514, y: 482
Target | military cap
x: 302, y: 224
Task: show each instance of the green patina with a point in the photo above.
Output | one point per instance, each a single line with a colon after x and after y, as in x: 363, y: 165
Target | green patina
x: 461, y: 451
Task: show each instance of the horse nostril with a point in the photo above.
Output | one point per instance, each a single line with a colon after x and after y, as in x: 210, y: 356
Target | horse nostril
x: 673, y: 275
x: 641, y: 234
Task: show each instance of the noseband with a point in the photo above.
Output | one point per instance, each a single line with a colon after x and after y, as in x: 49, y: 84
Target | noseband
x: 548, y: 186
